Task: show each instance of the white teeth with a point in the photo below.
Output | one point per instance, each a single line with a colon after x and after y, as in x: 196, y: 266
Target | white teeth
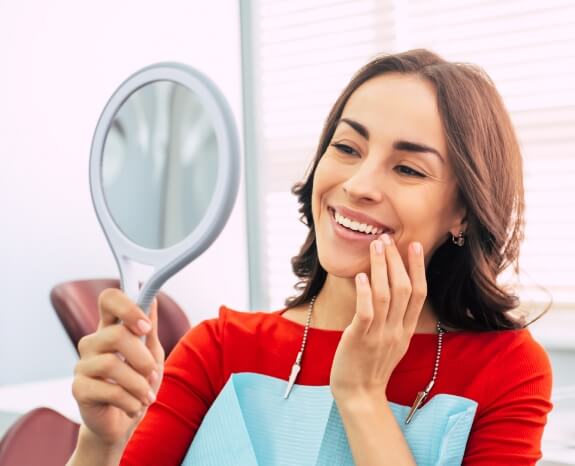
x: 356, y: 226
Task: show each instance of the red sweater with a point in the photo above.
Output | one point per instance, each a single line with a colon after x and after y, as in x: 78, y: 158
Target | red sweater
x: 506, y: 372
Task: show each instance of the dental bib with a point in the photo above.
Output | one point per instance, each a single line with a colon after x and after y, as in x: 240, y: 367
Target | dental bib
x: 251, y: 424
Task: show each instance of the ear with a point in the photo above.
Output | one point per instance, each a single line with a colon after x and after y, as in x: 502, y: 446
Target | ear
x: 459, y: 221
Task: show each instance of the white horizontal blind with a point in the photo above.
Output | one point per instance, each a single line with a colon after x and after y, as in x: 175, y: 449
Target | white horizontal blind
x: 306, y: 51
x: 528, y: 49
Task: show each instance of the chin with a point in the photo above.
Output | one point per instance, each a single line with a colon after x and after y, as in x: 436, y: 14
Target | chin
x: 342, y: 267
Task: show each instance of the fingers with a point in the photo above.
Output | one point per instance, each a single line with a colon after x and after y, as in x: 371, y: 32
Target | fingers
x: 110, y: 370
x: 114, y: 305
x: 380, y: 290
x: 119, y: 339
x: 124, y: 365
x: 416, y: 266
x: 88, y: 391
x: 399, y: 284
x: 398, y: 295
x: 364, y: 306
x: 152, y: 339
x: 119, y: 371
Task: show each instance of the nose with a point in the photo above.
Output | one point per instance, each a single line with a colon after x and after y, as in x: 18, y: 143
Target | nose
x: 366, y: 182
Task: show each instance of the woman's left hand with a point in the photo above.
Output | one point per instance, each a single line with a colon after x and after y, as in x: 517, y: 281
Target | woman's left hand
x: 387, y: 311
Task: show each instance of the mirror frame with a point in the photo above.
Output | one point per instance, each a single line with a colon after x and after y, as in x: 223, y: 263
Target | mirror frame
x: 168, y: 261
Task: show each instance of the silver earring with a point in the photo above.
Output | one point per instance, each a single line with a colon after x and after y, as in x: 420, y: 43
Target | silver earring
x: 458, y: 240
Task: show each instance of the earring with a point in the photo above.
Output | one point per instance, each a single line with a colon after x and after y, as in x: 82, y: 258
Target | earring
x: 458, y: 240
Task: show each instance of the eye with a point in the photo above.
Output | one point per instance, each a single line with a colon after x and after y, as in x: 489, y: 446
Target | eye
x: 344, y: 148
x: 405, y: 170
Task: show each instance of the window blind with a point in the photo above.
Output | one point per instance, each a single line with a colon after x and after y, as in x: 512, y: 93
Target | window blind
x: 304, y: 52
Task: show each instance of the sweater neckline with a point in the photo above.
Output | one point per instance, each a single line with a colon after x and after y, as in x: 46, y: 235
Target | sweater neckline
x: 337, y: 333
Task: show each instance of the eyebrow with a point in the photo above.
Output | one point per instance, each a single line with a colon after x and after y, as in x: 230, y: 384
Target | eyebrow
x: 398, y: 145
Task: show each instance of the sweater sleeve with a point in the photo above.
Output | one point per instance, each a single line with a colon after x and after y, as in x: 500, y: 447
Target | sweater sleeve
x: 193, y: 377
x: 510, y: 422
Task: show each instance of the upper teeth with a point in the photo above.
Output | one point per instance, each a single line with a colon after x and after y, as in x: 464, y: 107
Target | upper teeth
x: 354, y: 225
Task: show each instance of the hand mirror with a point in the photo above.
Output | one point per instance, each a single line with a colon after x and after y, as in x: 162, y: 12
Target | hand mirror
x: 164, y: 172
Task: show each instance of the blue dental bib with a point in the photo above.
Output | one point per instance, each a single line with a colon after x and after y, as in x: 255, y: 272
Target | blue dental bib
x: 251, y: 424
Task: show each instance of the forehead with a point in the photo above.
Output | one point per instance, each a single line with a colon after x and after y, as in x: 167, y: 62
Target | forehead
x: 398, y: 106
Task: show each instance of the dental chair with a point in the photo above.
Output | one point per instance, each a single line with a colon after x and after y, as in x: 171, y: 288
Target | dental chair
x: 76, y: 304
x: 40, y: 437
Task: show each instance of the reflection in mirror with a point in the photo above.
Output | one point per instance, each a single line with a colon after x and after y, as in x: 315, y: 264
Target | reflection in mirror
x: 159, y: 164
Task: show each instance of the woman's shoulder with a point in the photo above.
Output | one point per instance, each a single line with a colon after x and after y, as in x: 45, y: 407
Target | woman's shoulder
x: 511, y: 342
x: 230, y: 321
x: 246, y: 320
x: 230, y: 334
x: 521, y: 348
x: 511, y: 355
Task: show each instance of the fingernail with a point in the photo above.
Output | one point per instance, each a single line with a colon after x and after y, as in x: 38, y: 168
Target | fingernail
x: 362, y: 277
x: 416, y: 248
x: 144, y: 326
x: 386, y: 239
x: 378, y: 247
x: 153, y: 377
x: 151, y: 396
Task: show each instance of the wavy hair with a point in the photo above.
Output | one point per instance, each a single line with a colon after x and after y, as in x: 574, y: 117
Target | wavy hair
x: 486, y: 158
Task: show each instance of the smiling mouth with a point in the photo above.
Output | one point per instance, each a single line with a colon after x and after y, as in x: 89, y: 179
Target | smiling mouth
x: 357, y: 227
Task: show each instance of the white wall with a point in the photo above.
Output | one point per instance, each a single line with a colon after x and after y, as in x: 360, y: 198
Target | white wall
x: 61, y: 61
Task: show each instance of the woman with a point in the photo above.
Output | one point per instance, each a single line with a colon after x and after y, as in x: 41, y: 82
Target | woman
x: 420, y: 156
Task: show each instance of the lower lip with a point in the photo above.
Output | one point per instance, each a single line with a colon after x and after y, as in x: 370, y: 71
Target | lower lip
x: 346, y: 233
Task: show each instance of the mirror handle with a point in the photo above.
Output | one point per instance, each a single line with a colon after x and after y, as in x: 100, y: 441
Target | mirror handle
x: 146, y: 298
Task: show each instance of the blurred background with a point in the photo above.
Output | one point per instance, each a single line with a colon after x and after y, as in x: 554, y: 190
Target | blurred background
x: 281, y: 65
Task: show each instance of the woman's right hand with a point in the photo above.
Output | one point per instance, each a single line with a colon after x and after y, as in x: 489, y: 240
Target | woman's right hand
x: 118, y: 374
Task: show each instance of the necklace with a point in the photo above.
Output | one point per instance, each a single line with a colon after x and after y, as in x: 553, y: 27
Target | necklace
x: 297, y: 363
x: 420, y: 395
x: 423, y: 394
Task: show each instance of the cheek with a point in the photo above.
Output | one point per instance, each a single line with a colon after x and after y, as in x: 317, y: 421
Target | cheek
x: 320, y: 182
x: 424, y: 221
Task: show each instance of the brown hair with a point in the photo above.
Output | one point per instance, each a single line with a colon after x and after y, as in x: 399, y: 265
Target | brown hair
x: 485, y: 154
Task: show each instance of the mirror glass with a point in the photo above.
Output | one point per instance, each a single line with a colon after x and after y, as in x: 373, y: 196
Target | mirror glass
x: 159, y: 164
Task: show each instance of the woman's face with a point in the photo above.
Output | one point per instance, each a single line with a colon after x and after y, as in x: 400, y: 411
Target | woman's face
x: 374, y: 168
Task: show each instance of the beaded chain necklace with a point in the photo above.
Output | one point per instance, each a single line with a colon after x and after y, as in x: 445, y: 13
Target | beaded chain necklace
x: 420, y: 395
